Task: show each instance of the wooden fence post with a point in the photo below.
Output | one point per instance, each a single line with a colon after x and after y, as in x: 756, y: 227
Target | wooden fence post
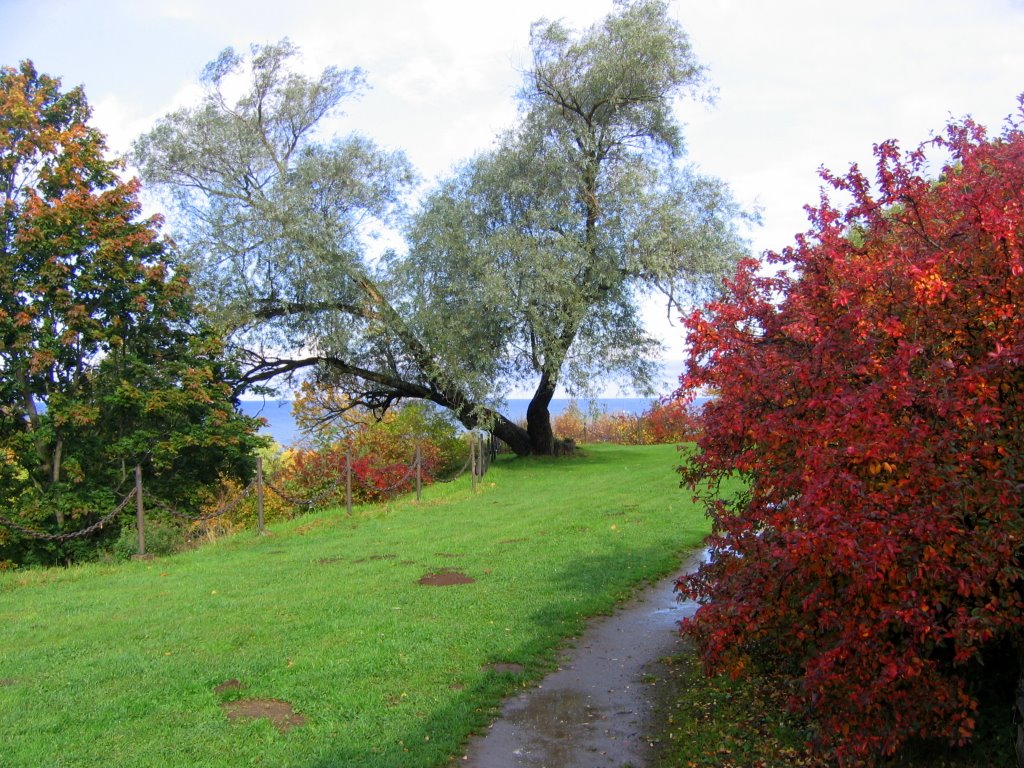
x: 259, y: 493
x: 472, y: 458
x: 348, y: 482
x: 419, y: 472
x: 140, y: 511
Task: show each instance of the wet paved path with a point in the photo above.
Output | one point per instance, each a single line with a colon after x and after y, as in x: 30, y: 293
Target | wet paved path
x: 595, y: 710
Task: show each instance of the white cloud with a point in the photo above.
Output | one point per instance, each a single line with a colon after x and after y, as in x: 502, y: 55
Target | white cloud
x: 179, y: 10
x: 801, y: 83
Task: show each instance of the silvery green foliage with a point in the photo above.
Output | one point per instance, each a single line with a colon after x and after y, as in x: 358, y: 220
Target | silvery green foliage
x: 582, y: 209
x: 276, y: 215
x: 527, y: 265
x: 273, y: 213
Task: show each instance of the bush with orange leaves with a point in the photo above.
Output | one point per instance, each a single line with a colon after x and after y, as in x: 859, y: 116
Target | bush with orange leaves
x: 663, y: 422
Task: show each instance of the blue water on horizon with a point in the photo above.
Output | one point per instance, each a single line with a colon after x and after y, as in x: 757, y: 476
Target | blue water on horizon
x: 282, y: 428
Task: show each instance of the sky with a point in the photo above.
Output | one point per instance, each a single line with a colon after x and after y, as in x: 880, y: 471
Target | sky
x: 800, y: 84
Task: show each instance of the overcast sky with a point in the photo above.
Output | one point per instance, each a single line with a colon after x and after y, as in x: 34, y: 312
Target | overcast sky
x: 801, y: 83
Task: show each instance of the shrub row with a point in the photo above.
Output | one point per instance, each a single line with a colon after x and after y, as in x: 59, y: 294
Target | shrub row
x: 663, y: 422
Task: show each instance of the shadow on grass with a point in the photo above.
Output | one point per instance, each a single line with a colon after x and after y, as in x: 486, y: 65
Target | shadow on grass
x: 443, y: 733
x: 607, y: 454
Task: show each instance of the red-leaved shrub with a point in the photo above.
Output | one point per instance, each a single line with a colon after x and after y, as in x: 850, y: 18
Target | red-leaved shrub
x: 871, y: 392
x: 382, y: 453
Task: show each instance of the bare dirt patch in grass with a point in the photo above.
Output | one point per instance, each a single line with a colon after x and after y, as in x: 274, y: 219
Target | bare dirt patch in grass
x: 279, y: 713
x: 445, y: 579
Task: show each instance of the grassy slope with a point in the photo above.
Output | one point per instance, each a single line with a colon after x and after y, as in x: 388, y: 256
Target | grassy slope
x: 117, y: 665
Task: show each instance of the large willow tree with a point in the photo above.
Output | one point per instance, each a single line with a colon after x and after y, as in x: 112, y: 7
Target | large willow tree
x: 528, y: 264
x: 581, y: 211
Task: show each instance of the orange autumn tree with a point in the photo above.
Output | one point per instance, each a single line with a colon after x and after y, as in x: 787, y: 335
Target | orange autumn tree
x: 871, y: 393
x: 105, y: 363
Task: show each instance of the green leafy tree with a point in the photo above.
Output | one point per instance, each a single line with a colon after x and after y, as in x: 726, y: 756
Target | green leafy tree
x: 105, y: 363
x: 581, y: 210
x: 529, y: 263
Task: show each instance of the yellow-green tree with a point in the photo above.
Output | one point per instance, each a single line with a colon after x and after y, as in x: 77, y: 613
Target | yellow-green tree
x: 105, y: 363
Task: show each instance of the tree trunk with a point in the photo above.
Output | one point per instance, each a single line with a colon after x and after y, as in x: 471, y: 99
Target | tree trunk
x: 394, y: 388
x: 55, y: 477
x: 538, y: 418
x: 471, y: 417
x: 513, y: 435
x: 522, y: 442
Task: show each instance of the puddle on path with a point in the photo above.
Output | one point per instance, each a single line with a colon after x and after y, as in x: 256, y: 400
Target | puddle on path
x: 594, y: 711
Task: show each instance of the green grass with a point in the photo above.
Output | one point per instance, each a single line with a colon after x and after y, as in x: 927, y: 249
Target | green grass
x: 117, y: 665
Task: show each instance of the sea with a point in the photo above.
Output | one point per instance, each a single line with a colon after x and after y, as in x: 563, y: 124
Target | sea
x: 282, y: 428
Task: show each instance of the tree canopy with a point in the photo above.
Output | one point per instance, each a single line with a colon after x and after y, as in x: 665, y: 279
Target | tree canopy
x: 105, y: 363
x: 871, y: 393
x: 528, y: 262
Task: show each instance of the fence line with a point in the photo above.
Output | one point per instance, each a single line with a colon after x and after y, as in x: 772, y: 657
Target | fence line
x: 226, y: 508
x: 42, y: 535
x: 296, y: 501
x: 477, y: 462
x: 458, y: 474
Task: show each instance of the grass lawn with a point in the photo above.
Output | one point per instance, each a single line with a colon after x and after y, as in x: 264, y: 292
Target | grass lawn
x: 132, y: 664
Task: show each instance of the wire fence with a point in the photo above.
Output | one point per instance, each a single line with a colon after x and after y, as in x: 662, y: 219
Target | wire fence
x: 481, y: 453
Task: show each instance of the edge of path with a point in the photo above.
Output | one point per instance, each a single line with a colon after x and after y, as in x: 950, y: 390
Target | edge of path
x: 596, y: 709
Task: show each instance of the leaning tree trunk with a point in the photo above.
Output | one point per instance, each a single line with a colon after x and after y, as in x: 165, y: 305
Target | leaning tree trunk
x: 513, y: 435
x: 471, y: 416
x: 538, y: 418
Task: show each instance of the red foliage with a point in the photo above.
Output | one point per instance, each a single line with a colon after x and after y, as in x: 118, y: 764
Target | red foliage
x: 673, y: 421
x: 375, y: 476
x: 871, y: 392
x: 383, y: 454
